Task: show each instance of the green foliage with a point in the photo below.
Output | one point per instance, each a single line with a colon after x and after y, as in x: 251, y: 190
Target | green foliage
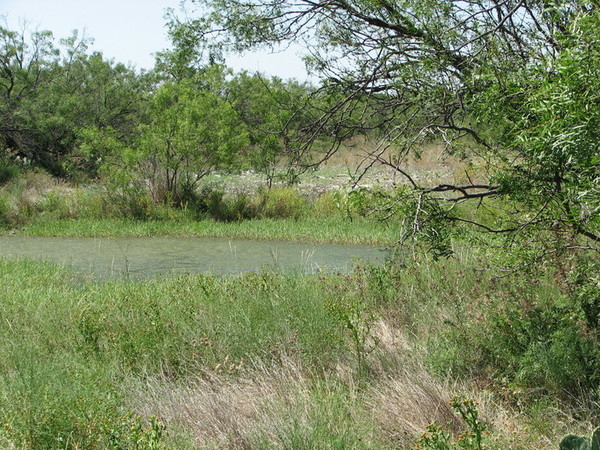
x: 525, y: 333
x: 191, y: 132
x: 438, y: 438
x: 65, y: 362
x: 330, y: 204
x: 584, y: 286
x: 49, y: 92
x: 15, y: 206
x: 551, y: 344
x: 527, y: 82
x: 274, y: 203
x: 273, y: 112
x: 282, y: 203
x: 226, y: 208
x: 8, y: 173
x: 353, y: 309
x: 73, y: 347
x: 55, y: 204
x: 421, y: 217
x: 134, y: 433
x: 556, y: 136
x: 574, y: 442
x: 126, y: 196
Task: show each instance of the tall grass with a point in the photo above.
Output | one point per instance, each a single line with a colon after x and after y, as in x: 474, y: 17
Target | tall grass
x: 69, y: 345
x: 260, y: 360
x: 333, y: 230
x: 36, y: 205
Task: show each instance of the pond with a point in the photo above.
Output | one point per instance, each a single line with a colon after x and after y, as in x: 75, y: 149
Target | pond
x: 149, y: 256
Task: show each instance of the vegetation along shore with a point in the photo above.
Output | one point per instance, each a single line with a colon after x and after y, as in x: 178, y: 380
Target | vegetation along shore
x: 462, y: 137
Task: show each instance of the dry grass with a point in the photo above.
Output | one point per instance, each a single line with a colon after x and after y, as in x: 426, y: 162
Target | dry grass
x: 432, y: 165
x: 265, y: 404
x: 407, y: 398
x: 222, y: 411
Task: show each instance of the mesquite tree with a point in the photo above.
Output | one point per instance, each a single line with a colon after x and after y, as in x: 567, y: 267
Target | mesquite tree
x: 50, y: 92
x: 510, y: 83
x: 191, y: 132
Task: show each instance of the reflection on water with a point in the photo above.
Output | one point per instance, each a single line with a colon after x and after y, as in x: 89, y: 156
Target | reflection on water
x: 142, y: 257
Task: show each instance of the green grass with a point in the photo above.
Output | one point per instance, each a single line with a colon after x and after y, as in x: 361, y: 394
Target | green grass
x: 68, y: 345
x: 333, y: 230
x: 218, y: 361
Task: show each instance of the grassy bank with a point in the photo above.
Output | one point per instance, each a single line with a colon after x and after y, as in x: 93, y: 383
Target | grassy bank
x: 366, y: 360
x: 35, y: 205
x: 417, y: 353
x: 335, y: 230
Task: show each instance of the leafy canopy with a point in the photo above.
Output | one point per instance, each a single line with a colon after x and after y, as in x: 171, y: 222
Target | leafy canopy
x: 512, y: 85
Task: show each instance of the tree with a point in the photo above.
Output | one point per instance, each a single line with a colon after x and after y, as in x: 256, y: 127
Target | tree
x: 558, y: 137
x: 274, y: 113
x: 191, y: 131
x: 24, y: 67
x: 49, y: 93
x: 502, y: 81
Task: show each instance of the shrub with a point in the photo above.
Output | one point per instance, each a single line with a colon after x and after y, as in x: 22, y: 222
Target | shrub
x: 526, y: 333
x: 543, y: 347
x: 128, y: 201
x: 90, y: 204
x: 55, y: 204
x: 330, y: 204
x: 227, y: 208
x: 8, y: 173
x: 282, y: 203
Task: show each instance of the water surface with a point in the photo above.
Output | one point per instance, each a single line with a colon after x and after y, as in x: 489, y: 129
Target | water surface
x: 148, y: 256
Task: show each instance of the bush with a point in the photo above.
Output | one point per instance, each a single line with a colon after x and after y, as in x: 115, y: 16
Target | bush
x: 228, y: 208
x: 543, y: 347
x: 331, y: 204
x: 8, y: 173
x: 55, y: 204
x: 90, y: 204
x: 526, y: 333
x: 129, y: 202
x: 282, y: 203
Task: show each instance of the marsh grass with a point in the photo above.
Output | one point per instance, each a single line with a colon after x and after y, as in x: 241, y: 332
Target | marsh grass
x: 259, y: 360
x: 36, y: 205
x: 332, y: 230
x: 70, y: 344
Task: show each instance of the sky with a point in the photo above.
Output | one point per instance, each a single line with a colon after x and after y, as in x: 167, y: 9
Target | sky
x: 130, y: 31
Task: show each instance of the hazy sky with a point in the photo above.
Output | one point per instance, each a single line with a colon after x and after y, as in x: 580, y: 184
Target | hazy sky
x: 128, y: 31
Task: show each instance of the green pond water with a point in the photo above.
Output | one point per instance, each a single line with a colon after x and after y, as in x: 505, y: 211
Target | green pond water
x: 149, y: 256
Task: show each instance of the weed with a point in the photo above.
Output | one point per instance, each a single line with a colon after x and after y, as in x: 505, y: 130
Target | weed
x: 438, y: 437
x: 354, y: 311
x: 133, y: 432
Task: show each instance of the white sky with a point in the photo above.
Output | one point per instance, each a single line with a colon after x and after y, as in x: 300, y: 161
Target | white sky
x: 129, y: 31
